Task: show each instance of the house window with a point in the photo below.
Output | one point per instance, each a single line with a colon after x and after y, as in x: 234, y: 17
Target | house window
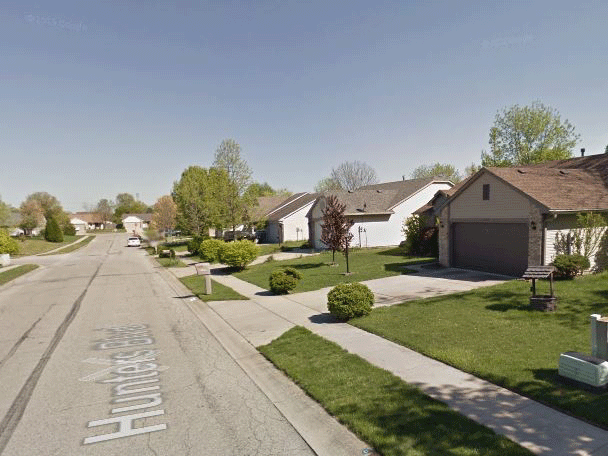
x: 486, y: 192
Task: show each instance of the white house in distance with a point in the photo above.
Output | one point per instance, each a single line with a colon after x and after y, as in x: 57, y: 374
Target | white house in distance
x: 136, y: 223
x: 288, y: 221
x: 378, y: 210
x: 79, y: 225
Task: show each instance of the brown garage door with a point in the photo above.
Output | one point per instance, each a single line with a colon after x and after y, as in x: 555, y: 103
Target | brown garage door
x: 494, y: 247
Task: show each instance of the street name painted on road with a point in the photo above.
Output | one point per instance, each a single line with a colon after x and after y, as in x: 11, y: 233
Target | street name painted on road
x: 133, y: 373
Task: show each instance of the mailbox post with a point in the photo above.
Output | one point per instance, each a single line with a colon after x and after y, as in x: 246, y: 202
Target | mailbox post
x: 205, y: 269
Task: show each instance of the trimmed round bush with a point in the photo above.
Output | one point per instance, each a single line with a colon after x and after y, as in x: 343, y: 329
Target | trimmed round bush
x: 238, y: 254
x: 52, y: 231
x: 209, y: 250
x: 281, y: 282
x: 69, y: 230
x: 569, y: 266
x: 293, y: 272
x: 7, y: 244
x: 194, y: 245
x: 349, y: 300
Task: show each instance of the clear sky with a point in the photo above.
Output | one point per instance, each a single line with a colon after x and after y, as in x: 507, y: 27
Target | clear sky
x: 103, y: 97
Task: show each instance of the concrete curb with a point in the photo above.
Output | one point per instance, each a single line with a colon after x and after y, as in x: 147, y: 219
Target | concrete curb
x: 320, y: 431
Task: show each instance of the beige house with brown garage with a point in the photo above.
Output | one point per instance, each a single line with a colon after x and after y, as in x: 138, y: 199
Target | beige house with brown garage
x: 503, y: 219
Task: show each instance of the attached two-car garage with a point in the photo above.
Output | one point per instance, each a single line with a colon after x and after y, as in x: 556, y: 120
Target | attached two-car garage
x: 501, y: 248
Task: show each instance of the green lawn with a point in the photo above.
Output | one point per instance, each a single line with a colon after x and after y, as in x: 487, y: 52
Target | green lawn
x: 13, y: 273
x: 392, y: 416
x: 171, y: 262
x: 85, y: 241
x: 267, y: 249
x: 365, y: 264
x: 36, y: 245
x: 493, y: 334
x: 196, y: 284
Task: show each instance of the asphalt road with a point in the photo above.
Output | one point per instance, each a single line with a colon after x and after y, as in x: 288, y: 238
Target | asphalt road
x: 99, y: 356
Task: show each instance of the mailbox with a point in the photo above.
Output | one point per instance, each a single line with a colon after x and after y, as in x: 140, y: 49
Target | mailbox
x: 203, y: 268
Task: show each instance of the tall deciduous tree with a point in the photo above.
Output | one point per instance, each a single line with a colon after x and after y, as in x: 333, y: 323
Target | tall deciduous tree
x: 335, y: 229
x: 199, y: 196
x: 105, y: 210
x: 165, y: 213
x: 524, y: 135
x: 32, y: 215
x: 352, y: 175
x: 444, y: 170
x: 236, y: 199
x: 127, y: 204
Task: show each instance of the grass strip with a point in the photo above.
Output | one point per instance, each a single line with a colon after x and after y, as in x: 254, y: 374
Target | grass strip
x: 384, y: 411
x: 493, y: 334
x: 318, y: 272
x: 196, y: 284
x: 13, y: 273
x: 36, y: 245
x: 70, y: 248
x: 171, y: 262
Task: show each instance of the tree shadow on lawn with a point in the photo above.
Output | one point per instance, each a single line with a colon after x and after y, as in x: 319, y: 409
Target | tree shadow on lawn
x: 402, y: 419
x: 401, y: 268
x: 308, y: 265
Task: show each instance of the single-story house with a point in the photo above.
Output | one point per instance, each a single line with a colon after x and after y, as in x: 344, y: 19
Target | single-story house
x: 378, y: 211
x: 288, y: 221
x: 79, y: 225
x: 503, y: 219
x: 93, y: 220
x: 136, y: 223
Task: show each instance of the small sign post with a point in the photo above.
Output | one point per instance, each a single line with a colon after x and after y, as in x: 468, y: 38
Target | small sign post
x: 205, y: 269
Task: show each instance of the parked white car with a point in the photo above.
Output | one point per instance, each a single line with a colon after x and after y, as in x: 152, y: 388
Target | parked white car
x: 134, y: 242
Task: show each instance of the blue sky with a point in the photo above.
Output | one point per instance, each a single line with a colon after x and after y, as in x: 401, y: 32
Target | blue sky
x: 104, y: 97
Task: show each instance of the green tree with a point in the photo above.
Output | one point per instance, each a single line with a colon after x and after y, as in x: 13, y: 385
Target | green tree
x: 165, y: 212
x: 32, y: 215
x: 105, y: 209
x: 51, y: 207
x: 443, y: 170
x: 327, y: 184
x: 5, y: 213
x: 199, y: 196
x: 7, y: 244
x: 471, y: 169
x: 524, y: 135
x: 52, y: 231
x: 236, y: 200
x: 127, y: 204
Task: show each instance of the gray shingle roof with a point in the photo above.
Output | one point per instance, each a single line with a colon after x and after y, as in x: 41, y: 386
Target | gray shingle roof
x: 365, y: 201
x: 559, y: 189
x: 404, y: 188
x: 291, y: 205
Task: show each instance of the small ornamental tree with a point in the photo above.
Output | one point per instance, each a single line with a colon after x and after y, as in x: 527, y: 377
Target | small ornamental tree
x: 335, y: 230
x: 52, y: 232
x: 7, y: 244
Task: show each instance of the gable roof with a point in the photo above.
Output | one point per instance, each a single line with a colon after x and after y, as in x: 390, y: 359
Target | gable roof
x: 558, y: 189
x: 571, y: 185
x: 266, y: 204
x: 77, y: 221
x: 88, y: 217
x: 365, y: 202
x: 404, y: 188
x: 292, y: 205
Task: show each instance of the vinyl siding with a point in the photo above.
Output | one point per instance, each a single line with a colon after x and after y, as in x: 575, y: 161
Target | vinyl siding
x: 504, y: 203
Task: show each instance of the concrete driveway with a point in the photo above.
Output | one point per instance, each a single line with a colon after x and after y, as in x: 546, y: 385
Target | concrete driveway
x: 427, y: 282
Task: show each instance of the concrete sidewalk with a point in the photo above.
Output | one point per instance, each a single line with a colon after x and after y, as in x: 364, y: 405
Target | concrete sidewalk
x: 534, y: 426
